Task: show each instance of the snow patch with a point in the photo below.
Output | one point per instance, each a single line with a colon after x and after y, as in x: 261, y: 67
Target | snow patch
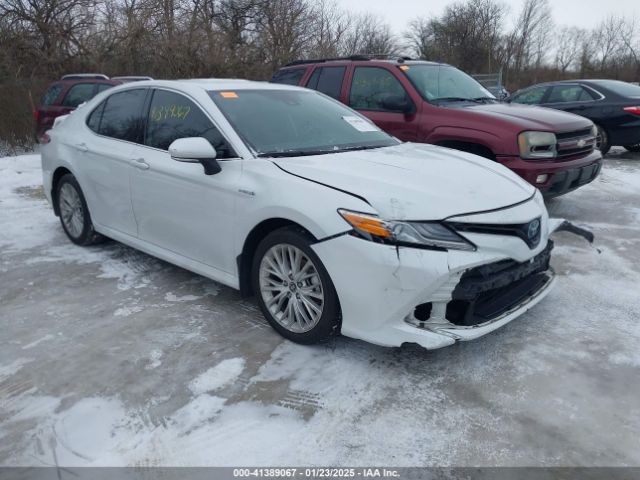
x: 127, y: 311
x: 14, y: 367
x: 154, y: 359
x: 217, y: 377
x: 170, y: 297
x: 39, y: 341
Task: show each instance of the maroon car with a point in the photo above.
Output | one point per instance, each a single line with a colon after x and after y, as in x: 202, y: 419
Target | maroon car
x: 65, y: 95
x: 428, y: 102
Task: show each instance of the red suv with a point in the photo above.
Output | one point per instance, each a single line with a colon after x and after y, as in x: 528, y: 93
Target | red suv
x: 66, y: 94
x: 419, y: 101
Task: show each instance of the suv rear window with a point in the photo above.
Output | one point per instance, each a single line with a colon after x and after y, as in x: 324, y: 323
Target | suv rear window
x: 327, y: 80
x: 78, y: 94
x: 51, y: 95
x: 289, y: 76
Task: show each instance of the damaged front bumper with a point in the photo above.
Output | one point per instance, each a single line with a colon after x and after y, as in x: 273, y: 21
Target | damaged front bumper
x: 390, y: 296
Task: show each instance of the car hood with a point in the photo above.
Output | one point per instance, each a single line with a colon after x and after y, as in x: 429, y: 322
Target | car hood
x: 415, y: 181
x: 531, y: 117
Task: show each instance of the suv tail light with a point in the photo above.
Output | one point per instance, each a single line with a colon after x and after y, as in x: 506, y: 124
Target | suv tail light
x: 36, y: 114
x: 632, y: 110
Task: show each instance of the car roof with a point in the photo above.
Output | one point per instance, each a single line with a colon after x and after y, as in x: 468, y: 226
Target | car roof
x: 208, y: 84
x: 70, y: 81
x: 360, y: 62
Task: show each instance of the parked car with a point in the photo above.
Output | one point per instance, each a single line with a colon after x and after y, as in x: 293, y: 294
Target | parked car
x: 612, y: 105
x: 64, y: 95
x: 334, y: 224
x: 428, y: 102
x: 498, y: 91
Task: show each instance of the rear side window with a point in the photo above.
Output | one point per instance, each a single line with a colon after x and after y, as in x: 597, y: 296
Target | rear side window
x: 327, y: 80
x: 102, y: 87
x: 370, y: 85
x: 78, y: 94
x: 569, y: 93
x: 289, y: 76
x: 93, y: 121
x: 51, y: 95
x: 533, y: 96
x: 173, y: 116
x: 122, y: 115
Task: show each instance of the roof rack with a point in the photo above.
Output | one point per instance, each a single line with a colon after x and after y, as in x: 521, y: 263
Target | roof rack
x: 352, y: 58
x: 132, y: 78
x: 80, y: 76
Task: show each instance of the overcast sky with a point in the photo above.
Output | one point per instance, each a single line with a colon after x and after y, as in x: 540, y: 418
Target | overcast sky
x: 583, y: 13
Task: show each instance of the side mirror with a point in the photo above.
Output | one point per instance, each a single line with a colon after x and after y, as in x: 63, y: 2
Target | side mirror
x: 397, y: 103
x: 195, y: 150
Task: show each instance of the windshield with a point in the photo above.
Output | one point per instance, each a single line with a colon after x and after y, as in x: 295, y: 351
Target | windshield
x: 623, y: 89
x: 297, y: 122
x: 441, y: 83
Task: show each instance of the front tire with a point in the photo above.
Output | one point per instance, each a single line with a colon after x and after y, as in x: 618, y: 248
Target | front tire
x: 294, y: 290
x: 602, y: 141
x: 633, y: 148
x: 74, y: 213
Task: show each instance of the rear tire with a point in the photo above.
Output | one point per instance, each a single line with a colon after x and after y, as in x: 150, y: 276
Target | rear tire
x: 74, y: 213
x: 602, y: 141
x: 293, y: 288
x: 633, y: 148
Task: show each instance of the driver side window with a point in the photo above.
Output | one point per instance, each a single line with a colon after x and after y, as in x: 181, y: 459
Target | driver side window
x: 173, y: 116
x: 370, y: 85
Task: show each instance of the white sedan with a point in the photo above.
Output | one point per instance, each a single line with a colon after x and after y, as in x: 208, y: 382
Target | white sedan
x: 282, y: 192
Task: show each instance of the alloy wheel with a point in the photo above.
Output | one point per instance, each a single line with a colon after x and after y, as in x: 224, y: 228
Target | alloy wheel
x: 291, y: 288
x: 71, y: 210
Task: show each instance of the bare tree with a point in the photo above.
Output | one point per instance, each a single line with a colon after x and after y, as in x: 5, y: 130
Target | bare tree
x: 569, y: 46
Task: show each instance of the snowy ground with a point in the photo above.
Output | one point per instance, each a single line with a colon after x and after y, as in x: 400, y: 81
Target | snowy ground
x: 111, y: 357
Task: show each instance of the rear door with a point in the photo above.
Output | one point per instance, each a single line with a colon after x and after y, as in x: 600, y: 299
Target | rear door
x: 327, y: 80
x: 106, y: 156
x: 572, y: 98
x: 369, y: 85
x: 289, y: 76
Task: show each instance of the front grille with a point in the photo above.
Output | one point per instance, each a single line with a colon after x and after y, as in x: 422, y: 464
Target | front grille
x: 529, y: 233
x: 579, y: 142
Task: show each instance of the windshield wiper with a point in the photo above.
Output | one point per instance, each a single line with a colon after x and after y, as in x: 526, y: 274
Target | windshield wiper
x: 363, y: 147
x: 294, y: 153
x: 484, y: 99
x: 303, y: 153
x: 457, y: 99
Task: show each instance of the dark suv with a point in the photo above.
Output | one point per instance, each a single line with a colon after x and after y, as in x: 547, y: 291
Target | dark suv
x: 428, y: 102
x: 65, y: 95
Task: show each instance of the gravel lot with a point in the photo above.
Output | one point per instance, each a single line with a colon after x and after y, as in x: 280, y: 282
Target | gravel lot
x: 111, y: 357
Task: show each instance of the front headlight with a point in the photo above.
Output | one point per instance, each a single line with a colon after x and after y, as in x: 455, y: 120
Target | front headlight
x: 537, y: 145
x: 410, y: 234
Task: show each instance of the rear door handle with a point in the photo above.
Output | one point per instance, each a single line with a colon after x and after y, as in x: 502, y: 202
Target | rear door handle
x: 82, y: 147
x: 140, y: 163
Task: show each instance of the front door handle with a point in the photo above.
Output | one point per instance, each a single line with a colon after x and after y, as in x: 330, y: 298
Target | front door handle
x: 82, y: 147
x: 140, y: 163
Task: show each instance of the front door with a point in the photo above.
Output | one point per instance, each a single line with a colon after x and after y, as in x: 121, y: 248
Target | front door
x: 177, y: 206
x: 369, y: 85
